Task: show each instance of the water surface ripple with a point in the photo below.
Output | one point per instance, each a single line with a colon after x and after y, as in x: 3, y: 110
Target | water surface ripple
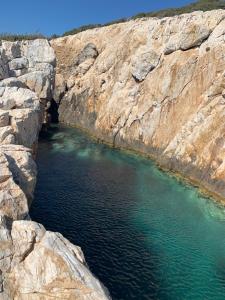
x: 144, y: 234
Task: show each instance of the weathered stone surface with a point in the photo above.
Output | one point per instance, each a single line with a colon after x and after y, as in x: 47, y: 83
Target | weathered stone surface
x: 156, y: 86
x: 5, y: 247
x: 60, y: 88
x: 5, y: 132
x: 4, y: 118
x: 18, y: 63
x: 26, y: 125
x: 144, y: 62
x: 3, y: 69
x: 40, y: 82
x: 34, y: 263
x: 38, y: 51
x: 11, y: 49
x: 64, y: 265
x: 22, y: 166
x: 14, y: 97
x: 89, y: 52
x: 12, y: 82
x: 13, y: 202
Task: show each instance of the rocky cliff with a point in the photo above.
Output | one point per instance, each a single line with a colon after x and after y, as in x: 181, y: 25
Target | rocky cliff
x: 156, y: 86
x: 34, y: 263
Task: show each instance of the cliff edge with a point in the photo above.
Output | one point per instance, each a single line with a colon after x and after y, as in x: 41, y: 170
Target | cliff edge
x: 34, y: 263
x: 156, y: 86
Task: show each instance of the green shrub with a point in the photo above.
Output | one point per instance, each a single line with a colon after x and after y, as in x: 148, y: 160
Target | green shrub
x: 82, y: 28
x: 19, y: 37
x: 203, y: 5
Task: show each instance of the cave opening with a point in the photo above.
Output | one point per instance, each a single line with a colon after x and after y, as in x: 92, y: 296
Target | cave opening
x: 53, y: 112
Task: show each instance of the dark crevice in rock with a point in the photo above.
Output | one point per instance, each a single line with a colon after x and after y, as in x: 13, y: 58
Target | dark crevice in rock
x: 28, y: 251
x: 53, y: 112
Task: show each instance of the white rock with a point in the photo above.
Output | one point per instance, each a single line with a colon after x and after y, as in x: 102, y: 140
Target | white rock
x: 40, y: 82
x: 11, y: 49
x: 18, y: 63
x: 14, y: 97
x: 38, y: 51
x: 144, y: 62
x: 11, y: 82
x: 46, y: 263
x: 22, y: 166
x: 60, y: 88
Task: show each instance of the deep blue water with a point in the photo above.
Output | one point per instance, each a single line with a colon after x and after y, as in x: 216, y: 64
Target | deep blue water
x: 144, y: 234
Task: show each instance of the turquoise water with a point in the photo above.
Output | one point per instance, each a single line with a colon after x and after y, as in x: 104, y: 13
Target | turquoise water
x: 144, y: 234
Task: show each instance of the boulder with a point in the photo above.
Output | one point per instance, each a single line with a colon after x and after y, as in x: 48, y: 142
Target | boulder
x: 18, y: 63
x: 14, y: 97
x: 12, y: 82
x: 4, y: 118
x: 89, y: 51
x: 38, y: 51
x: 39, y: 82
x: 64, y: 276
x: 144, y: 62
x: 12, y: 50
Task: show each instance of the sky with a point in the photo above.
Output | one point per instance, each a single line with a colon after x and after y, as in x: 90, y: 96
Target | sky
x: 57, y: 16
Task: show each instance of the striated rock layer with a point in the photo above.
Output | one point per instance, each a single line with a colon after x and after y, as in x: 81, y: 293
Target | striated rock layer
x: 152, y: 85
x: 34, y: 263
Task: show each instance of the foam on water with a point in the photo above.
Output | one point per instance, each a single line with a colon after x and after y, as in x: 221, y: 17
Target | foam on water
x: 143, y: 233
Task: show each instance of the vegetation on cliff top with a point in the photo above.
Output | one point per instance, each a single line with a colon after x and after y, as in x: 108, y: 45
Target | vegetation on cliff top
x: 204, y: 5
x: 20, y: 37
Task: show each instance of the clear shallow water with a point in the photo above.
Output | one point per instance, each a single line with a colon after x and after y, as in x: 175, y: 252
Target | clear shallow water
x: 144, y: 234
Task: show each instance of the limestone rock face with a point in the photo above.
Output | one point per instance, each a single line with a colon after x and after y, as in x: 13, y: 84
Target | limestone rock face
x: 143, y: 62
x: 156, y: 86
x: 45, y: 265
x: 34, y: 263
x: 13, y: 201
x: 26, y: 87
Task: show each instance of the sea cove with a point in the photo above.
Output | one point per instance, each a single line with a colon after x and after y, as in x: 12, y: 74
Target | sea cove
x: 144, y: 234
x: 103, y: 223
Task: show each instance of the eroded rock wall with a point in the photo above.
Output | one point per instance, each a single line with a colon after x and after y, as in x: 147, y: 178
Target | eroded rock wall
x: 152, y: 85
x: 34, y: 263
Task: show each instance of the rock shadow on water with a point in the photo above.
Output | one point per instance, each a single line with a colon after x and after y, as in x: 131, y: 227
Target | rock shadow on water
x: 144, y: 234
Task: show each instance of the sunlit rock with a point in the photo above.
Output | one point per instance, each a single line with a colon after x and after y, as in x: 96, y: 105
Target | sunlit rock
x: 156, y: 86
x: 34, y: 263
